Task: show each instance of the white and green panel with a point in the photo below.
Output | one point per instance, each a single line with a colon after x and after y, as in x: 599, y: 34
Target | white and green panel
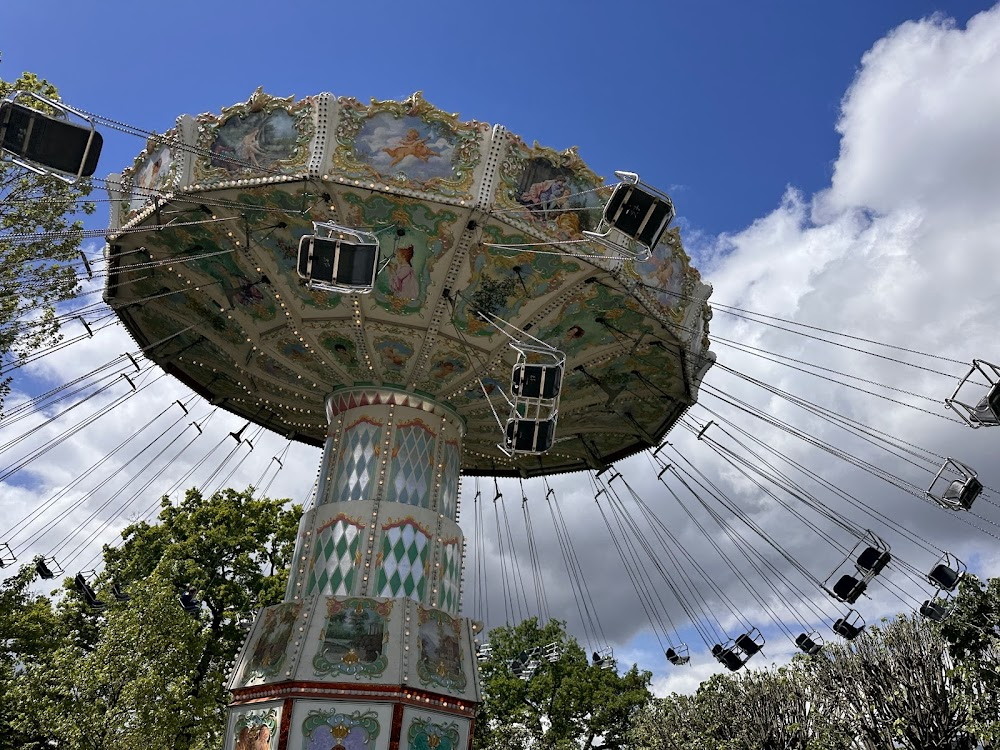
x: 405, y: 559
x: 336, y: 557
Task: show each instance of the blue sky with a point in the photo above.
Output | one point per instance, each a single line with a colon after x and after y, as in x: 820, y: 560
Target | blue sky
x: 828, y: 164
x: 729, y: 102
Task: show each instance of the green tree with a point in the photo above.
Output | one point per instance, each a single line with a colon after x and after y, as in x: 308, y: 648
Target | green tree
x: 972, y: 632
x: 35, y: 276
x: 568, y: 703
x: 145, y: 668
x: 767, y: 709
x: 894, y: 687
x: 30, y: 631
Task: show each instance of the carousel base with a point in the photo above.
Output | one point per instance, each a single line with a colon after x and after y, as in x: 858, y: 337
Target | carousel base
x: 348, y: 672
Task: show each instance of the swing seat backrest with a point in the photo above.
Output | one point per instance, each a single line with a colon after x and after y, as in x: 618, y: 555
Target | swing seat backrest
x: 50, y: 142
x: 536, y: 381
x: 847, y: 630
x: 873, y: 560
x: 944, y: 578
x: 849, y: 588
x: 530, y: 435
x: 638, y: 214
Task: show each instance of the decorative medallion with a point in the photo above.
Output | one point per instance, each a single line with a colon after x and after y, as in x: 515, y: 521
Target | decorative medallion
x: 353, y: 639
x: 331, y: 730
x: 424, y: 734
x: 440, y: 652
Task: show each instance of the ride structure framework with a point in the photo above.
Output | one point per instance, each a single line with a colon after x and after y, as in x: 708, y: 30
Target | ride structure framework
x: 401, y: 384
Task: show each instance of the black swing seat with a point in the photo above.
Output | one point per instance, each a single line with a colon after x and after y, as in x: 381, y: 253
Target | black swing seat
x: 848, y: 630
x: 807, y: 645
x: 43, y: 570
x: 728, y: 657
x: 536, y: 381
x: 118, y: 594
x: 675, y: 658
x: 849, y: 588
x: 944, y: 578
x: 530, y: 435
x: 190, y: 605
x: 339, y: 264
x: 81, y: 585
x: 336, y: 261
x: 638, y: 211
x: 963, y: 493
x: 52, y: 143
x: 992, y: 400
x: 934, y: 610
x: 873, y: 560
x: 987, y: 410
x: 750, y: 644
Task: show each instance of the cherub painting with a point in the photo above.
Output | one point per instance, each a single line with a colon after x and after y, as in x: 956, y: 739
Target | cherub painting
x: 411, y: 145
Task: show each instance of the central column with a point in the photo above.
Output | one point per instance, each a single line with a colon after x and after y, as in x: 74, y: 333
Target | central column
x: 367, y: 649
x: 385, y: 517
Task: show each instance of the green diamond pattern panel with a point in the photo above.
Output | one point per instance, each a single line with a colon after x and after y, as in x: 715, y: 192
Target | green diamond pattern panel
x: 358, y: 458
x: 449, y: 482
x: 451, y: 575
x: 333, y: 569
x: 405, y: 550
x: 413, y: 467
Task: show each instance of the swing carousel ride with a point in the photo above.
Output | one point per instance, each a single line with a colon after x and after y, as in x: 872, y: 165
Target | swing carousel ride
x: 427, y: 298
x: 368, y: 278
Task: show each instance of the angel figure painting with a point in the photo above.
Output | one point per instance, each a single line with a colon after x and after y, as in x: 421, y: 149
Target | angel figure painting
x: 406, y: 146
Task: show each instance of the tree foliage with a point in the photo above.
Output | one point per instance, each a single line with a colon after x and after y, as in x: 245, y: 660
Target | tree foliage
x: 35, y: 276
x: 145, y: 668
x: 569, y: 703
x: 972, y: 632
x: 894, y: 687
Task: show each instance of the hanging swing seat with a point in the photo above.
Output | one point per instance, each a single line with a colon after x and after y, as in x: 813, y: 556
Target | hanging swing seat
x: 48, y: 142
x: 848, y: 589
x: 605, y: 658
x: 935, y: 610
x: 984, y: 411
x: 850, y: 626
x: 679, y: 656
x: 339, y: 259
x: 530, y: 436
x: 730, y: 657
x: 636, y: 214
x: 873, y: 560
x: 869, y: 557
x: 118, y: 594
x: 947, y: 572
x: 809, y: 643
x: 960, y: 483
x: 47, y: 567
x: 81, y: 585
x: 189, y: 604
x: 750, y: 643
x: 536, y: 380
x: 552, y: 652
